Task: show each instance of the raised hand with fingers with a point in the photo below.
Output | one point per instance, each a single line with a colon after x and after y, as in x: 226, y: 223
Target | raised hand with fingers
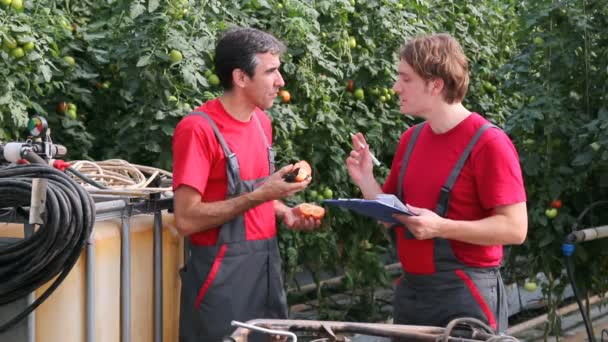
x: 359, y: 162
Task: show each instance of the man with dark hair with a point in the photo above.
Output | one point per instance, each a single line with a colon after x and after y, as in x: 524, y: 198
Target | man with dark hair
x: 227, y: 194
x: 461, y: 177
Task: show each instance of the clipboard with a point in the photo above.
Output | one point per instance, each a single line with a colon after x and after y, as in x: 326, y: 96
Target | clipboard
x: 382, y: 208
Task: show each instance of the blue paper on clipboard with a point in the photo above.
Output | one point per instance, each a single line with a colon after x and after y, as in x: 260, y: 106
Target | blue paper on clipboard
x: 382, y: 208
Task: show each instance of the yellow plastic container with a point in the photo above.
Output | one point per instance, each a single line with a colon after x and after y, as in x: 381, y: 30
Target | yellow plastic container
x: 61, y: 318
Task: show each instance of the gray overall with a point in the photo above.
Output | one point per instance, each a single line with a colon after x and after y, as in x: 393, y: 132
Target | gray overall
x: 454, y: 290
x: 235, y: 279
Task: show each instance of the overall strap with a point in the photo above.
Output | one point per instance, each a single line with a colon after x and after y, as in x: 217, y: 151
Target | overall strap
x: 232, y: 164
x: 271, y: 153
x: 406, y: 158
x: 408, y: 152
x: 444, y: 195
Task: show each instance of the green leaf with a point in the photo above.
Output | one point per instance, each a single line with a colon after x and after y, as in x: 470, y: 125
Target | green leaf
x: 143, y: 61
x: 152, y: 5
x: 136, y: 10
x: 6, y: 98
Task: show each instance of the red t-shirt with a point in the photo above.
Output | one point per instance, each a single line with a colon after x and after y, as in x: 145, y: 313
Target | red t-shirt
x: 491, y: 177
x: 199, y: 162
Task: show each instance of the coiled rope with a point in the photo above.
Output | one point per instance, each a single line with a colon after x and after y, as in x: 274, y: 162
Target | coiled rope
x: 120, y: 174
x: 54, y: 247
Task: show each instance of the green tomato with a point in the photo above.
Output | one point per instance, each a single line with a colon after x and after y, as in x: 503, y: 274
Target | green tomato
x: 208, y: 73
x: 70, y: 60
x: 175, y: 56
x: 172, y: 99
x: 72, y: 106
x: 71, y: 114
x: 29, y: 46
x: 17, y: 5
x: 595, y: 146
x: 551, y: 213
x: 17, y: 52
x: 538, y: 41
x: 489, y: 87
x: 530, y: 286
x: 313, y: 194
x: 383, y: 98
x: 214, y: 80
x: 352, y: 42
x: 359, y: 94
x: 5, y: 3
x: 328, y: 193
x: 9, y: 43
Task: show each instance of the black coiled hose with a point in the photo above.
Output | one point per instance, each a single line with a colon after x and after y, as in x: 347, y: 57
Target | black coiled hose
x: 54, y: 247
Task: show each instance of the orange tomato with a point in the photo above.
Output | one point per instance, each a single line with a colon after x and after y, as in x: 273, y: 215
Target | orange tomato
x: 285, y: 96
x: 301, y: 172
x: 311, y: 210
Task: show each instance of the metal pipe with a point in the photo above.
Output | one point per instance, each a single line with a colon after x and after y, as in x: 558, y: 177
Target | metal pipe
x: 28, y: 230
x: 516, y: 329
x: 125, y: 276
x: 89, y: 301
x: 158, y: 276
x: 114, y: 205
x: 293, y: 336
x: 409, y: 332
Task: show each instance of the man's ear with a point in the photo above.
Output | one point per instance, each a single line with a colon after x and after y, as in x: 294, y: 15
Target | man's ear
x: 239, y: 78
x: 437, y: 85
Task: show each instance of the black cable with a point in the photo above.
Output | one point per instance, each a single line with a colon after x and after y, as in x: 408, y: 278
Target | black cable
x: 85, y: 178
x: 54, y: 248
x: 477, y: 329
x: 568, y: 250
x: 580, y: 217
x: 577, y: 295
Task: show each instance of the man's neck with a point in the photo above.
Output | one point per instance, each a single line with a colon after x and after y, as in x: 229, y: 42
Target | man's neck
x: 447, y: 116
x: 237, y: 106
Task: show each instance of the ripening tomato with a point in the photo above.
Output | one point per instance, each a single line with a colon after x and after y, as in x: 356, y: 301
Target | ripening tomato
x: 62, y: 107
x: 557, y: 204
x: 285, y: 96
x: 350, y: 85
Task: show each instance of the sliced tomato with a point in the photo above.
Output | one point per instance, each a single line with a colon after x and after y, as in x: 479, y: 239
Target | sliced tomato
x: 311, y: 210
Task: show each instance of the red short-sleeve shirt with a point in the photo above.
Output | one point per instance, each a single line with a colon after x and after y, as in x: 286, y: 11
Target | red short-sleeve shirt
x: 490, y: 178
x: 199, y: 162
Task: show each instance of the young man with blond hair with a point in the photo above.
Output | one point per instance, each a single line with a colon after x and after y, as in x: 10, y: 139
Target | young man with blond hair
x: 461, y: 176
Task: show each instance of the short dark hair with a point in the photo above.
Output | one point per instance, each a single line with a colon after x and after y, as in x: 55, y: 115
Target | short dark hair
x: 237, y: 49
x: 439, y: 55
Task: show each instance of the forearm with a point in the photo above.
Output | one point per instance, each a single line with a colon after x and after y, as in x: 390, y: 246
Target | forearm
x: 493, y: 230
x: 370, y: 188
x: 198, y: 217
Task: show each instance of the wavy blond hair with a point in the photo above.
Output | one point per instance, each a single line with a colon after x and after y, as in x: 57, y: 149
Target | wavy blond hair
x: 439, y: 55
